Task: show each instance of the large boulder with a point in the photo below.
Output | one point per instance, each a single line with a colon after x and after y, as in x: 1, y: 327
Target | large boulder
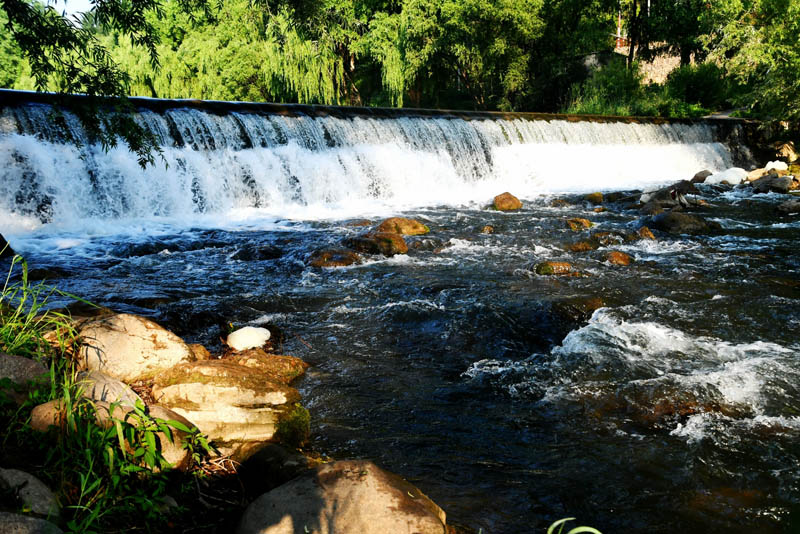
x: 732, y: 176
x: 24, y: 524
x: 23, y: 374
x: 130, y: 348
x: 385, y: 243
x: 279, y: 368
x: 99, y: 386
x: 229, y: 402
x: 346, y: 497
x: 403, y: 226
x: 671, y: 196
x: 701, y: 176
x: 249, y: 337
x: 333, y: 258
x: 773, y: 183
x: 5, y: 249
x: 682, y: 223
x: 31, y: 492
x: 506, y: 202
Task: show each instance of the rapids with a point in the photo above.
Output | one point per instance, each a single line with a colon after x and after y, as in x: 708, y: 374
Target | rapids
x: 674, y: 407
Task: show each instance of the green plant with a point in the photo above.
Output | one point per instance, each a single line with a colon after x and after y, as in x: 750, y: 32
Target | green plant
x: 577, y: 530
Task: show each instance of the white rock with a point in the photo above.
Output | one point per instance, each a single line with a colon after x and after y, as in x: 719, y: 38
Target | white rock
x: 733, y: 176
x: 249, y: 337
x: 777, y: 165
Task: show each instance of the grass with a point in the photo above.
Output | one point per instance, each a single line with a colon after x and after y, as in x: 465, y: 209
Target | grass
x: 107, y: 477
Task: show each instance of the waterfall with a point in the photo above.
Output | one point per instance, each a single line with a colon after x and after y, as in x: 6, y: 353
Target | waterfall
x: 307, y: 166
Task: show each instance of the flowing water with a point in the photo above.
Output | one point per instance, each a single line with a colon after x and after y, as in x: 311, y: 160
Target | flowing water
x: 505, y: 396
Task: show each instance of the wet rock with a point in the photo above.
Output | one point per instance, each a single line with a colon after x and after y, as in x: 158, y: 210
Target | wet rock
x: 346, y: 497
x: 384, y: 243
x: 99, y: 386
x: 271, y: 466
x: 786, y: 152
x: 25, y: 524
x: 47, y: 273
x: 579, y: 309
x: 552, y: 268
x: 671, y: 196
x: 682, y: 223
x: 31, y: 493
x: 559, y: 203
x: 651, y: 208
x: 599, y: 209
x: 623, y: 196
x: 772, y: 183
x: 594, y: 198
x: 5, y: 249
x: 258, y: 253
x: 428, y: 244
x: 645, y: 233
x: 278, y: 368
x: 616, y: 257
x: 227, y: 401
x: 199, y: 352
x: 789, y: 207
x: 608, y: 239
x: 357, y: 223
x: 333, y: 258
x: 403, y: 226
x: 488, y: 229
x: 701, y: 176
x: 129, y: 347
x: 582, y: 246
x: 577, y: 224
x: 506, y: 202
x: 249, y: 337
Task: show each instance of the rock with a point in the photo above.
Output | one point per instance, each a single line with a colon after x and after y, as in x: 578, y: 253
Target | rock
x: 559, y: 203
x: 651, y: 208
x: 24, y: 524
x: 279, y: 368
x: 552, y: 268
x: 227, y: 401
x: 346, y: 497
x: 578, y: 309
x: 599, y: 209
x: 173, y: 450
x: 333, y: 258
x: 46, y: 415
x: 403, y: 226
x: 701, y: 176
x: 772, y: 183
x: 249, y: 337
x: 358, y: 223
x: 129, y: 347
x: 577, y: 224
x: 271, y: 466
x: 257, y: 253
x: 384, y: 243
x: 755, y: 174
x: 786, y: 152
x: 616, y: 257
x: 22, y: 371
x: 594, y: 198
x: 789, y: 207
x: 488, y: 229
x: 777, y: 165
x: 645, y: 233
x: 199, y: 352
x: 608, y: 239
x: 672, y: 196
x: 683, y: 223
x: 99, y: 386
x: 5, y: 249
x: 31, y: 492
x: 506, y: 202
x: 582, y: 246
x: 732, y: 176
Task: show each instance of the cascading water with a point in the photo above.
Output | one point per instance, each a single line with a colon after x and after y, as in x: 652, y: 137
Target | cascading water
x: 316, y: 166
x: 672, y: 408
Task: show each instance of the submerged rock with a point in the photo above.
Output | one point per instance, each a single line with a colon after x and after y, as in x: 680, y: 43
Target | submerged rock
x: 682, y: 223
x: 577, y: 224
x: 258, y: 253
x: 248, y: 337
x: 129, y: 347
x: 333, y: 258
x: 385, y: 243
x: 346, y: 497
x: 506, y: 202
x: 552, y: 268
x: 403, y: 226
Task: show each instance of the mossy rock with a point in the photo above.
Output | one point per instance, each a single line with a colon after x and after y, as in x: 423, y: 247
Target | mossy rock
x: 577, y: 224
x: 385, y: 243
x: 333, y: 258
x: 403, y: 226
x: 294, y: 427
x: 548, y: 268
x: 594, y: 198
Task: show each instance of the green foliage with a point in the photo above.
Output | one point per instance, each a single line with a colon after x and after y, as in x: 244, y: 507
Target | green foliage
x: 577, y: 530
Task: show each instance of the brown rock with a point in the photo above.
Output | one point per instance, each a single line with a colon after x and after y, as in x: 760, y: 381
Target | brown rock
x: 577, y: 224
x: 582, y: 246
x: 281, y: 369
x: 608, y: 239
x: 346, y: 497
x: 651, y: 208
x: 199, y: 352
x: 333, y: 258
x: 599, y: 209
x: 553, y: 268
x: 786, y: 152
x: 403, y: 226
x: 645, y: 233
x: 701, y: 176
x: 594, y: 198
x: 384, y: 243
x: 358, y: 223
x: 488, y: 229
x: 616, y: 257
x: 775, y: 183
x: 579, y: 308
x: 559, y: 203
x: 506, y: 202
